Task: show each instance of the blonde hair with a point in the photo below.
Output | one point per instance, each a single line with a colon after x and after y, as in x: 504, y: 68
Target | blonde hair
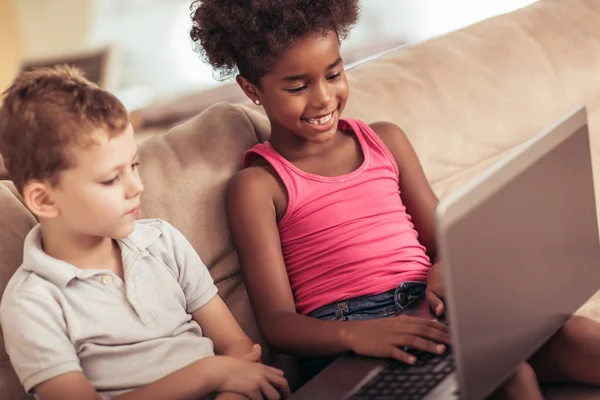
x: 47, y: 109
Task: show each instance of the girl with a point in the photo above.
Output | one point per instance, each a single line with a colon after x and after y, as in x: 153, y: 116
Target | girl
x: 333, y: 219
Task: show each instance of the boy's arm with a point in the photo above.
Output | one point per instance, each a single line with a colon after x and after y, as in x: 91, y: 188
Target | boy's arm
x: 203, y: 302
x: 220, y: 326
x: 194, y: 381
x: 203, y: 377
x: 45, y: 360
x: 230, y: 396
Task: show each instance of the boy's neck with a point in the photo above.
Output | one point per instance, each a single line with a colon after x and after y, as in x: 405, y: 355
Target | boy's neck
x: 81, y: 251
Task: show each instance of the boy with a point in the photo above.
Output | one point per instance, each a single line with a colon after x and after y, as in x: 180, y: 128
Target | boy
x: 104, y: 306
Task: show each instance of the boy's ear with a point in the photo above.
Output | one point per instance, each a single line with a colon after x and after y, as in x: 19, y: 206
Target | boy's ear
x: 38, y: 198
x: 249, y: 88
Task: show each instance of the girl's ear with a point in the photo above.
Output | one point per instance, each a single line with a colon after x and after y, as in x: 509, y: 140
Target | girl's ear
x: 249, y: 88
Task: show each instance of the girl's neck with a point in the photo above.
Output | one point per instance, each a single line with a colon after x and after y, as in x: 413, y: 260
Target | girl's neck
x: 293, y: 147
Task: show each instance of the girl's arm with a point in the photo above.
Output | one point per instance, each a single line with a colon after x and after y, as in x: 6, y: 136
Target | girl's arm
x: 417, y: 195
x: 420, y: 202
x: 253, y: 224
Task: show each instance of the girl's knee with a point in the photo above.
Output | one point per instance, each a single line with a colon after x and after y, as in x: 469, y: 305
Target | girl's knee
x: 522, y: 384
x: 577, y: 333
x: 524, y: 376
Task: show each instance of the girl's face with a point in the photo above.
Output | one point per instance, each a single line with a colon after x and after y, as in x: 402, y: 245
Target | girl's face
x: 305, y: 91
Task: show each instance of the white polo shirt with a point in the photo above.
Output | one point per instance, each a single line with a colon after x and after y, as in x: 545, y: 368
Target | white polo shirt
x: 57, y: 318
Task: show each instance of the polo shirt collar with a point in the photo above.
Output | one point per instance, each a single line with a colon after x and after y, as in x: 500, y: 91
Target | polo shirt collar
x: 60, y: 272
x: 142, y: 237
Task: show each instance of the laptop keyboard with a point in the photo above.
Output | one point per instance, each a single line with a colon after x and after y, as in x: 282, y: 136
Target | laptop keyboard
x: 398, y: 380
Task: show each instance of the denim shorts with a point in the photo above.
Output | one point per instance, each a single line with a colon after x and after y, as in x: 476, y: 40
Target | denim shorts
x: 382, y: 305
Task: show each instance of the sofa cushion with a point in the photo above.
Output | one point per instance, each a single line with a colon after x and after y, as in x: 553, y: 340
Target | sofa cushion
x: 185, y: 173
x: 16, y: 223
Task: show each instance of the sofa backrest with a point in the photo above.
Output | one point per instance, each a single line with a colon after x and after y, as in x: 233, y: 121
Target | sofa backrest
x: 185, y: 173
x: 15, y: 222
x: 464, y: 99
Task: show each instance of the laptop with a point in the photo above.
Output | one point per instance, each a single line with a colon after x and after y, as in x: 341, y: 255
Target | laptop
x: 520, y: 250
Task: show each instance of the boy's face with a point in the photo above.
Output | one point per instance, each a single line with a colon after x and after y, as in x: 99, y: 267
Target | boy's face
x: 100, y: 195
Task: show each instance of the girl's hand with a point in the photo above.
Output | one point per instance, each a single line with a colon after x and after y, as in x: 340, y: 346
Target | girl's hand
x: 435, y: 290
x: 386, y: 337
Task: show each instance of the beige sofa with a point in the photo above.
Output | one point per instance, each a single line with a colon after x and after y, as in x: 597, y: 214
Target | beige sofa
x: 464, y: 100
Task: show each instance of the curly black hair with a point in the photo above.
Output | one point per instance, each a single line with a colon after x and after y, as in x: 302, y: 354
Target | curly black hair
x: 246, y: 36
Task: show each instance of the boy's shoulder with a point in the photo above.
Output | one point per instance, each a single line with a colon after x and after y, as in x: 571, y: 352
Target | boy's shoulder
x: 26, y: 289
x: 39, y: 277
x: 25, y: 283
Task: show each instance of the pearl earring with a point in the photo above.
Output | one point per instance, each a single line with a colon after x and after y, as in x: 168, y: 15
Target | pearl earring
x: 257, y: 102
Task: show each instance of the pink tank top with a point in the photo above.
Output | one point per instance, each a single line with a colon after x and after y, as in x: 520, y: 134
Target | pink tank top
x: 346, y: 236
